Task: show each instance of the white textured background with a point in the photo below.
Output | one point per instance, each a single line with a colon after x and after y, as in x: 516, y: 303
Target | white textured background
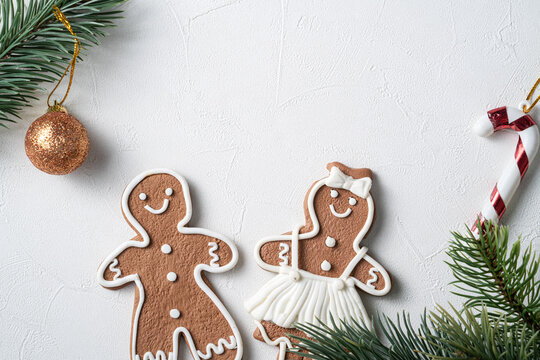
x: 249, y: 100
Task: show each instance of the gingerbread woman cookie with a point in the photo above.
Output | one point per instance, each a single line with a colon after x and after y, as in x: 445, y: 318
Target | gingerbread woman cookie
x: 167, y: 261
x: 320, y: 264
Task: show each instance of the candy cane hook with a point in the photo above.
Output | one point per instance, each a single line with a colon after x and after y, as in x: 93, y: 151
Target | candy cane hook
x: 500, y: 119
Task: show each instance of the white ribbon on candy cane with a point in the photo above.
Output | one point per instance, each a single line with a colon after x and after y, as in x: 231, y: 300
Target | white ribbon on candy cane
x: 338, y: 179
x: 527, y: 147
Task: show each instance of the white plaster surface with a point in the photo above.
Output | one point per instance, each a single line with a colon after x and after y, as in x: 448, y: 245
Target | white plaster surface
x: 249, y: 100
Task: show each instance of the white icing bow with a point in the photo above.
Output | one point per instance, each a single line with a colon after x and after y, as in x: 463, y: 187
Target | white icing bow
x: 338, y: 179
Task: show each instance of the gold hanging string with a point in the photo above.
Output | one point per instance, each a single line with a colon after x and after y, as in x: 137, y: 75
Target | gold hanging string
x: 529, y: 97
x: 57, y: 106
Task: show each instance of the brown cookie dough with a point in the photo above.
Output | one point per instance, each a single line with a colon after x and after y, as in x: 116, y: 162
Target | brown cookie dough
x: 320, y: 264
x: 167, y: 260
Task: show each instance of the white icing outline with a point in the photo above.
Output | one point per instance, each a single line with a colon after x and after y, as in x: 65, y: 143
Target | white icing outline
x: 284, y: 249
x: 294, y: 246
x: 340, y: 215
x: 197, y: 272
x: 160, y: 355
x: 218, y: 349
x: 283, y: 341
x: 164, y: 208
x: 370, y: 289
x: 269, y: 341
x: 373, y: 279
x: 113, y: 268
x: 212, y: 252
x: 174, y: 355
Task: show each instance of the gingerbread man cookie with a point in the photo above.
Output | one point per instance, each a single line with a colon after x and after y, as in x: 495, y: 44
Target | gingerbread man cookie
x: 167, y: 261
x: 321, y: 264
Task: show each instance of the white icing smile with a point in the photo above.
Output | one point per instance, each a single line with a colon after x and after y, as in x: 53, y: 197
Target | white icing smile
x: 158, y: 211
x: 168, y: 192
x: 340, y: 215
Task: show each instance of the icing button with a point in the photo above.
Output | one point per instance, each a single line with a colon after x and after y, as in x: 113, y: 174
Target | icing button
x: 294, y: 275
x: 166, y: 248
x: 172, y: 276
x: 330, y: 242
x: 339, y: 284
x: 326, y: 266
x: 175, y: 313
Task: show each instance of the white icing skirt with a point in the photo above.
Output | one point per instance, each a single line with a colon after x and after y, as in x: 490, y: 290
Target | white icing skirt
x: 286, y: 301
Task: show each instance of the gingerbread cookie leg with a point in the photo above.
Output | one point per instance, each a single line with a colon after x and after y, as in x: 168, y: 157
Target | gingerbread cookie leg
x: 222, y: 349
x: 215, y: 336
x: 276, y: 335
x: 151, y: 342
x: 206, y: 326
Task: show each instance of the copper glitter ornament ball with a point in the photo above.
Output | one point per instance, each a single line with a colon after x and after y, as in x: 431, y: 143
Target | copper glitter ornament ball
x: 57, y: 143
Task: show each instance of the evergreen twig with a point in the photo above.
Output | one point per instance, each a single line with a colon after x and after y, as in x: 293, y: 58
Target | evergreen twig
x: 355, y: 341
x: 488, y: 274
x: 36, y: 48
x: 472, y: 334
x: 499, y: 320
x: 442, y: 335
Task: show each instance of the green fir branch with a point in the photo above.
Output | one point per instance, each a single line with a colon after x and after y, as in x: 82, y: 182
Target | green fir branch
x: 354, y: 340
x: 472, y: 334
x: 347, y: 341
x: 406, y: 343
x: 488, y: 273
x: 442, y: 335
x: 36, y: 48
x: 500, y: 319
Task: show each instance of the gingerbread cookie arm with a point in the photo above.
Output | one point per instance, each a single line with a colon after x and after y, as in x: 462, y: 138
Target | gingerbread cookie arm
x: 115, y: 271
x: 369, y: 276
x: 274, y: 252
x: 222, y: 253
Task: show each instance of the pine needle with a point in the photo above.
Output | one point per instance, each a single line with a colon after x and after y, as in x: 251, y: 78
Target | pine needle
x: 35, y: 48
x: 500, y: 319
x: 489, y: 272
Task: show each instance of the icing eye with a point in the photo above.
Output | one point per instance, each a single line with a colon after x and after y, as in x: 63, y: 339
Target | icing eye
x: 352, y: 201
x: 168, y: 192
x: 334, y: 193
x: 142, y: 196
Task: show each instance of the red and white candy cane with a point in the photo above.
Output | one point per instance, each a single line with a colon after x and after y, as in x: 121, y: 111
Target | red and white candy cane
x: 504, y: 118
